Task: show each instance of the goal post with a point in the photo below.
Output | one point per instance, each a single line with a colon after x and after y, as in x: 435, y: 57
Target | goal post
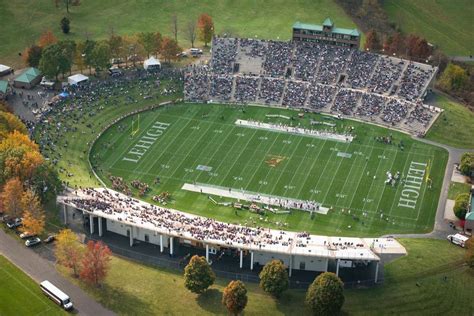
x: 135, y: 125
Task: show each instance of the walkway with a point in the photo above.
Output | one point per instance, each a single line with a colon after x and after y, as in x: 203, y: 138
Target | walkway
x: 40, y: 269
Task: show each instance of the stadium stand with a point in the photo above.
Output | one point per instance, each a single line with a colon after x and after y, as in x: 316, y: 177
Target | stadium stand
x: 317, y: 77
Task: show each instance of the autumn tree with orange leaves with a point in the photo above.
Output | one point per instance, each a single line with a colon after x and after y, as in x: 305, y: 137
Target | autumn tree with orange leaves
x: 68, y: 251
x: 33, y: 214
x: 20, y: 157
x: 169, y: 49
x: 47, y: 38
x: 206, y: 28
x: 11, y: 197
x: 95, y: 263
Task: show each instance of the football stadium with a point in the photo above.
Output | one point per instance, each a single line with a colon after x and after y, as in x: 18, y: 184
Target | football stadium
x: 326, y: 164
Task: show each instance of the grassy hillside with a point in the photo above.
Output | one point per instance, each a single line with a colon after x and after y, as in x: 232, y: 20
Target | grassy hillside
x: 446, y: 23
x: 24, y: 20
x: 455, y: 126
x: 138, y: 289
x: 20, y: 295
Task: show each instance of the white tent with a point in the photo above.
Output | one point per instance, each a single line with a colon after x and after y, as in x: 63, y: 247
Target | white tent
x: 4, y: 70
x: 151, y: 64
x: 77, y: 79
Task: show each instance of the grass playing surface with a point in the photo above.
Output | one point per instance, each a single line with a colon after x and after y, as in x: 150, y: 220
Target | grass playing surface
x: 309, y: 168
x: 20, y: 295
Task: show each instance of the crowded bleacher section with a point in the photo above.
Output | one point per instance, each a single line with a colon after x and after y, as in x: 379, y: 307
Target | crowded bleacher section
x: 317, y: 77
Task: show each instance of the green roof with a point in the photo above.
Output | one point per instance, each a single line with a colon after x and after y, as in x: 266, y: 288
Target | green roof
x: 315, y: 27
x: 470, y: 216
x: 3, y: 86
x: 29, y: 75
x: 328, y: 22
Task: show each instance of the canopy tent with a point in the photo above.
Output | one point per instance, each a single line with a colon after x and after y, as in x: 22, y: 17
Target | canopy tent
x: 5, y: 70
x: 28, y: 79
x: 64, y: 94
x: 77, y: 79
x: 151, y: 64
x: 3, y: 89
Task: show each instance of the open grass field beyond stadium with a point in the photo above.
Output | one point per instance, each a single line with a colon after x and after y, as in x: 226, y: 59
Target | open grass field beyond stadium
x: 349, y: 177
x: 20, y: 295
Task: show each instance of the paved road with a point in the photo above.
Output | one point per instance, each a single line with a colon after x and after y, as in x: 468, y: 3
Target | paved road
x: 41, y: 269
x: 441, y: 227
x: 462, y: 58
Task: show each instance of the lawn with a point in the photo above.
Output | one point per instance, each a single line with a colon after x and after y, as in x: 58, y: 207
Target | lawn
x: 20, y: 295
x: 445, y: 23
x: 444, y: 287
x: 456, y: 188
x: 455, y: 126
x: 349, y: 177
x: 132, y: 288
x: 24, y: 20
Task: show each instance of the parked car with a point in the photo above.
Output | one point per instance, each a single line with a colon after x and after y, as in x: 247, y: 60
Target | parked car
x: 32, y: 242
x: 14, y: 223
x: 49, y: 239
x: 26, y: 235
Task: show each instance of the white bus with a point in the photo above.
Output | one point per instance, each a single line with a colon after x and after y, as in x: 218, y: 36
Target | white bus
x: 58, y: 296
x: 458, y: 239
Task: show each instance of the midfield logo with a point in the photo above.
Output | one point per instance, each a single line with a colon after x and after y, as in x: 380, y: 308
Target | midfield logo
x: 274, y: 161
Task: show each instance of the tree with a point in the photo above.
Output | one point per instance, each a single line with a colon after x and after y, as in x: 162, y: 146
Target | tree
x: 47, y: 38
x: 469, y: 255
x: 79, y: 59
x: 372, y: 41
x: 325, y: 295
x: 198, y: 275
x: 174, y: 26
x: 68, y: 48
x: 461, y: 205
x: 10, y: 123
x: 32, y: 55
x: 206, y: 28
x: 68, y: 251
x: 191, y: 32
x: 397, y: 45
x: 11, y: 197
x: 234, y: 297
x: 132, y: 50
x: 422, y: 49
x: 101, y: 55
x: 274, y: 278
x: 453, y: 78
x: 18, y: 157
x: 116, y: 45
x: 95, y: 263
x: 68, y: 3
x: 169, y: 49
x: 148, y: 41
x: 54, y: 61
x: 88, y: 55
x: 45, y: 182
x: 467, y: 164
x: 33, y: 214
x: 65, y: 25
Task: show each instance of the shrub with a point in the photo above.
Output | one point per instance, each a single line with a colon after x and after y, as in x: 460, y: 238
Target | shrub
x: 274, y: 278
x: 325, y: 295
x: 198, y: 275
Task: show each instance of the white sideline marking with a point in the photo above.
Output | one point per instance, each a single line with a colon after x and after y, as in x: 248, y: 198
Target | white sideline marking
x: 245, y: 195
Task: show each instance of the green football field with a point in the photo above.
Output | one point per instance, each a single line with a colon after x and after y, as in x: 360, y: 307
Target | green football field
x: 348, y: 177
